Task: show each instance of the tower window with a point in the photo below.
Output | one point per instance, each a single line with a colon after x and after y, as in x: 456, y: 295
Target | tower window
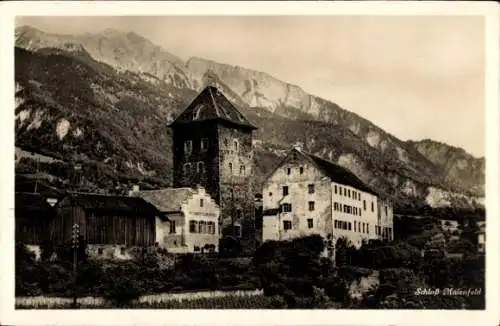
x: 310, y: 222
x: 285, y: 190
x: 200, y: 167
x: 188, y: 147
x: 187, y: 168
x: 311, y: 188
x: 204, y: 144
x: 311, y: 206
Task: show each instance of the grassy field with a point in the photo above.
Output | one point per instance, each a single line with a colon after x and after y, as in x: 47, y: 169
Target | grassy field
x: 196, y: 300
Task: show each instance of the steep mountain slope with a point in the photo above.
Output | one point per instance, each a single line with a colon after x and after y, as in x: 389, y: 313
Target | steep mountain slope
x: 456, y: 164
x: 124, y: 51
x: 81, y: 99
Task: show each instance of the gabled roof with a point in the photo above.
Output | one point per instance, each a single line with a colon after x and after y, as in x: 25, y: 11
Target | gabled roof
x: 211, y: 104
x: 334, y: 172
x: 339, y: 174
x: 167, y: 200
x: 123, y: 204
x: 32, y: 202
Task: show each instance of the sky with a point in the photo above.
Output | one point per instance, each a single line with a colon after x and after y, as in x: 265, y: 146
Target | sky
x: 416, y: 77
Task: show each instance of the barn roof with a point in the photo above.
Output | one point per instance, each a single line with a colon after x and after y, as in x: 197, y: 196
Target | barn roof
x: 168, y: 199
x: 212, y: 105
x: 124, y: 204
x: 32, y: 202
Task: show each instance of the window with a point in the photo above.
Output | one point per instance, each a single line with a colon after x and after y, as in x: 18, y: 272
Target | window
x: 367, y: 228
x: 287, y: 225
x: 350, y: 226
x: 285, y: 190
x: 310, y: 223
x: 242, y: 170
x: 211, y: 227
x: 359, y: 211
x: 311, y: 206
x: 187, y: 168
x: 386, y: 211
x: 193, y: 226
x: 345, y: 192
x: 363, y: 227
x: 270, y: 194
x: 122, y: 251
x: 231, y: 168
x: 373, y: 207
x: 188, y: 147
x: 286, y: 208
x: 201, y: 202
x: 200, y: 167
x: 237, y: 230
x: 345, y: 209
x: 235, y: 145
x: 226, y: 142
x: 288, y: 171
x: 364, y: 205
x: 335, y: 224
x: 204, y: 144
x: 172, y: 227
x: 355, y: 211
x: 100, y: 251
x: 340, y: 190
x: 355, y: 226
x: 335, y: 207
x: 349, y: 193
x: 311, y: 189
x: 335, y: 189
x: 201, y: 227
x: 354, y: 195
x: 301, y: 170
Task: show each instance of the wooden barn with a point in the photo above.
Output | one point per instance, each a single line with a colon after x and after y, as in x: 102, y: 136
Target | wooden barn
x: 33, y: 216
x: 106, y: 220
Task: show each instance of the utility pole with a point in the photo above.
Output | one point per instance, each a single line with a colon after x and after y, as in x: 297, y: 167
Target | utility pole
x: 76, y: 238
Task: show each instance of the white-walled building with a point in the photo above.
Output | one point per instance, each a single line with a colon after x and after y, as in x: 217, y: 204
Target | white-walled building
x: 308, y: 195
x: 193, y: 219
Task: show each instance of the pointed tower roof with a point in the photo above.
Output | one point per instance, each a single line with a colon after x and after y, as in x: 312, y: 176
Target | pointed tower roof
x: 211, y: 104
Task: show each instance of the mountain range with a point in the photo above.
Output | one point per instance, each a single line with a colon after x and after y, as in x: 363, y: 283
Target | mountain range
x: 102, y: 101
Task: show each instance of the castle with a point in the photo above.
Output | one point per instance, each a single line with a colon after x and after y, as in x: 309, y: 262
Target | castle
x: 212, y: 148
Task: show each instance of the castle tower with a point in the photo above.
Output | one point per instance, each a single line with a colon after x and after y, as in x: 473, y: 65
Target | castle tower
x: 212, y: 147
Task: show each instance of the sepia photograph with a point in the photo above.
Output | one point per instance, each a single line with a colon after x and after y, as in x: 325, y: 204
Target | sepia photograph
x: 241, y: 162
